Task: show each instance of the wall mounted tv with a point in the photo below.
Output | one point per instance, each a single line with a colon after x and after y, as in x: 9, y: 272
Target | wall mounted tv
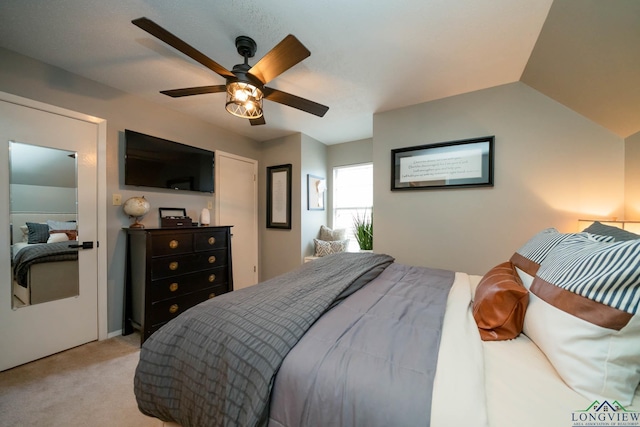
x: 160, y: 163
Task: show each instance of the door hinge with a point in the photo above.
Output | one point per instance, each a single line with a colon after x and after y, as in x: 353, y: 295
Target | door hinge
x: 254, y: 268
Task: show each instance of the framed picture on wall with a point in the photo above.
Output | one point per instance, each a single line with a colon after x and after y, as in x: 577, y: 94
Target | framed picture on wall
x: 452, y: 164
x: 316, y: 187
x: 279, y: 196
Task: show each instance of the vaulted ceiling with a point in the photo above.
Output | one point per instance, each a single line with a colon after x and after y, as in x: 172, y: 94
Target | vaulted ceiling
x: 587, y: 57
x: 366, y: 57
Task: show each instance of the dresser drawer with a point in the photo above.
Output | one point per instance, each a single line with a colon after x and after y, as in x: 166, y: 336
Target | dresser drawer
x: 169, y: 244
x: 182, y: 264
x: 163, y: 311
x: 180, y: 285
x: 170, y: 270
x: 214, y: 239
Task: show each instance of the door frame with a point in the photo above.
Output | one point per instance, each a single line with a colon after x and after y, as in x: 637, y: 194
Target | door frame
x: 101, y: 195
x: 217, y: 180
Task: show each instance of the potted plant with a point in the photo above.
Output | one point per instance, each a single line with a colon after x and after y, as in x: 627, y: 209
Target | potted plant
x: 363, y: 231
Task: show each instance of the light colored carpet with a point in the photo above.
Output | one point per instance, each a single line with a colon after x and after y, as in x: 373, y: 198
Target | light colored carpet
x: 90, y: 385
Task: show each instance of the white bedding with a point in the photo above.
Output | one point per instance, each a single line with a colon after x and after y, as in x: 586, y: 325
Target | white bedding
x: 15, y: 248
x: 497, y: 383
x: 459, y: 397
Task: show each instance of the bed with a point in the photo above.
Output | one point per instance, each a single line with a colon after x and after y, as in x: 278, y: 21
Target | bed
x: 44, y: 267
x: 362, y: 340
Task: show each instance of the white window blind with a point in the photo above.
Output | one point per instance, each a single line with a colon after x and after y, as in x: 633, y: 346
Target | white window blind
x: 352, y: 195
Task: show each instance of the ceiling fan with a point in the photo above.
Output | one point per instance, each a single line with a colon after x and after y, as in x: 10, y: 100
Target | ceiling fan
x: 245, y: 85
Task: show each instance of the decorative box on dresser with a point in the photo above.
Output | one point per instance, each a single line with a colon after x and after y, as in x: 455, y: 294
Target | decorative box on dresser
x: 172, y: 269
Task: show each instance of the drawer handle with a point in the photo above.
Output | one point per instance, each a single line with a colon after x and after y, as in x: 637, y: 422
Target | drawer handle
x: 173, y: 244
x: 212, y: 295
x: 212, y: 240
x: 173, y: 287
x: 212, y: 277
x: 173, y: 308
x: 212, y: 259
x: 173, y: 265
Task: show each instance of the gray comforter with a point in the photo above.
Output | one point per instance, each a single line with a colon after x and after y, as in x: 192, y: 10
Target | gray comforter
x: 46, y: 252
x: 371, y: 361
x: 215, y: 364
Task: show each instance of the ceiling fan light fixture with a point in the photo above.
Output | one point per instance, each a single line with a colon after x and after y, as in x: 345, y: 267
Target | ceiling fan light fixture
x: 244, y: 100
x: 245, y: 84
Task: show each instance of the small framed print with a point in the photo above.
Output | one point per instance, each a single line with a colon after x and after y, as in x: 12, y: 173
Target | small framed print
x: 316, y: 187
x: 453, y: 164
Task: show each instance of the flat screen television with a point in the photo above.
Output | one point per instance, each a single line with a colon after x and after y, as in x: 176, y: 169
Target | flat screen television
x: 160, y: 163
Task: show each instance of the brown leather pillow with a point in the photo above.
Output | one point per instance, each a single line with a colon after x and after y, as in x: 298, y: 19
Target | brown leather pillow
x: 500, y: 304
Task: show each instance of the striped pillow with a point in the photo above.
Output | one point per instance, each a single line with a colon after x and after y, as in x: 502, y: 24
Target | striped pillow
x: 529, y: 256
x: 583, y: 314
x: 527, y: 259
x: 607, y: 273
x: 607, y: 230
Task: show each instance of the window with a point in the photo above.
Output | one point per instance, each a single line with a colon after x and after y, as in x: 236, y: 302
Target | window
x: 352, y: 195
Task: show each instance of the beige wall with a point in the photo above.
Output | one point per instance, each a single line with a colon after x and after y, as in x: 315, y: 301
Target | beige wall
x: 552, y: 166
x: 349, y: 153
x: 632, y: 177
x: 283, y: 250
x: 313, y: 161
x: 32, y: 79
x: 280, y: 248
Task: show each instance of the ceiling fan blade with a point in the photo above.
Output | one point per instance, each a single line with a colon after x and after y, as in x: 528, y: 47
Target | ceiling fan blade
x: 258, y: 121
x: 283, y: 56
x: 188, y: 91
x: 285, y: 98
x: 157, y: 31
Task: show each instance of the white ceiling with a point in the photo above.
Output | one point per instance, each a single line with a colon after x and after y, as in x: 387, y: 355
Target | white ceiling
x: 366, y: 56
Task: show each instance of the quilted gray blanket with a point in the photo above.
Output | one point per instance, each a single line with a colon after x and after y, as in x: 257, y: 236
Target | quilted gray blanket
x: 215, y: 364
x: 33, y: 254
x: 371, y: 361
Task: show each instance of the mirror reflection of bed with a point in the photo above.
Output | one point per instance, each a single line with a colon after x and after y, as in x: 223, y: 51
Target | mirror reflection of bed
x: 43, y: 224
x: 43, y: 271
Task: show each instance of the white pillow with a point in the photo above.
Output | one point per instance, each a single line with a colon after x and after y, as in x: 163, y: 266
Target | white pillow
x: 329, y: 235
x: 583, y: 314
x: 25, y: 233
x: 62, y: 225
x: 598, y: 363
x: 57, y: 237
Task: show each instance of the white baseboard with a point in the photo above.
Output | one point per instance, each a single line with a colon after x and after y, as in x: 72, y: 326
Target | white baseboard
x: 114, y: 334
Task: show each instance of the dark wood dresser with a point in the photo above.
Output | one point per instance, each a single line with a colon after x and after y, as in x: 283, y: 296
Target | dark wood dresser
x: 172, y: 269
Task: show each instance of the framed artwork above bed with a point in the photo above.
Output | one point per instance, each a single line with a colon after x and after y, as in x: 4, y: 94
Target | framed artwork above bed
x: 452, y: 164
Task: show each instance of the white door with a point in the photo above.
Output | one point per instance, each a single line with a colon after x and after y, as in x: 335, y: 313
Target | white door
x: 236, y: 194
x: 33, y: 331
